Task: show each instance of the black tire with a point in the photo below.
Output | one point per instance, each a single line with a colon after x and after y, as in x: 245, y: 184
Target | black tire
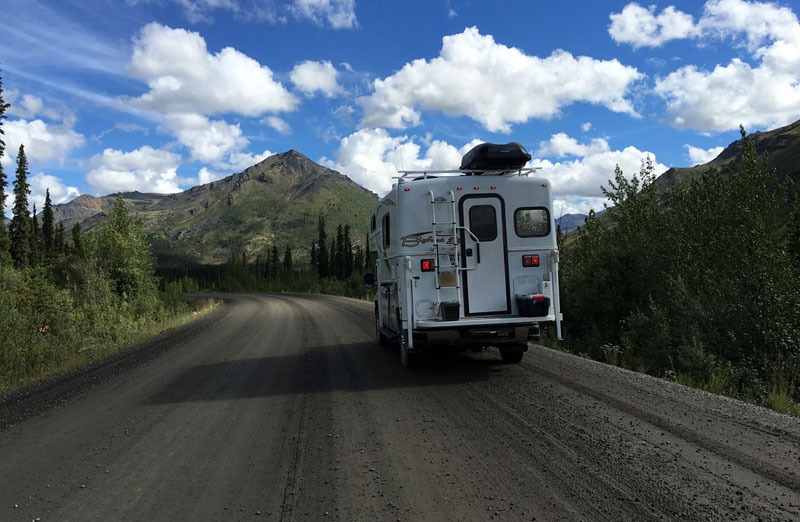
x: 512, y: 353
x: 407, y: 359
x: 382, y: 339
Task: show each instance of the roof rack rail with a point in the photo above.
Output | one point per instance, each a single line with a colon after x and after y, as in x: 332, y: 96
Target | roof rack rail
x: 467, y: 172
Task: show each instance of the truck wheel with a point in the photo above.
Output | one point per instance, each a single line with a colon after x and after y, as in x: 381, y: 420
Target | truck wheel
x: 382, y: 339
x: 407, y: 360
x: 512, y: 353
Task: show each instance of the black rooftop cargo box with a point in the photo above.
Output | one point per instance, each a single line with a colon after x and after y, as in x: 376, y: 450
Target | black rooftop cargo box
x: 490, y: 156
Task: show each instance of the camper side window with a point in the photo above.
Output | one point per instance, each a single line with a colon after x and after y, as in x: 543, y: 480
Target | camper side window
x: 386, y: 236
x: 532, y: 222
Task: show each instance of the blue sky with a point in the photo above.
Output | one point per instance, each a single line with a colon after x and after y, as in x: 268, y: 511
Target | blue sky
x: 161, y: 95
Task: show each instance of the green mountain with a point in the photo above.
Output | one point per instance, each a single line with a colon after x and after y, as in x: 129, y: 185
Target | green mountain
x: 275, y: 202
x: 782, y: 145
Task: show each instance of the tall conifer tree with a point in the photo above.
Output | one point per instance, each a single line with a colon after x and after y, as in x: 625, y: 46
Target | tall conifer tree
x: 20, y: 228
x: 48, y: 227
x: 77, y: 241
x: 287, y: 259
x: 36, y: 243
x: 348, y: 252
x: 59, y: 242
x: 322, y: 254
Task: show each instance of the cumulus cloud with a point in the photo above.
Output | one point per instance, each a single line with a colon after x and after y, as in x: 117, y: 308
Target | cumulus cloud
x: 495, y: 85
x: 208, y: 141
x: 145, y: 169
x: 281, y: 126
x: 581, y: 178
x: 28, y: 106
x: 764, y: 93
x: 43, y: 141
x: 586, y: 126
x: 338, y: 14
x: 312, y: 77
x: 184, y: 77
x: 371, y: 157
x: 59, y: 192
x: 699, y: 156
x: 238, y: 161
x: 560, y: 145
x: 641, y: 27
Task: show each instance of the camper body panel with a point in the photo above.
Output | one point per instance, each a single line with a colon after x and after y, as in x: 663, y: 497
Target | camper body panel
x: 450, y: 258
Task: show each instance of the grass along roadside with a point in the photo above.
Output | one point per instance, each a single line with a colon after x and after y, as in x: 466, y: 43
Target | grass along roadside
x: 777, y: 398
x: 91, y: 353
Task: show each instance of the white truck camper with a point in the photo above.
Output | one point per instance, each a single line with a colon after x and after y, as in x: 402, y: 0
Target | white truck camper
x: 466, y: 258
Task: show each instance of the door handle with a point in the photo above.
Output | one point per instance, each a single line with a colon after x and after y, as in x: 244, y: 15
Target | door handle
x: 478, y: 247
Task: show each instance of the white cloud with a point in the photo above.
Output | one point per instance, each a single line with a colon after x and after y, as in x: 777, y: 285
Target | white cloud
x: 205, y: 175
x: 562, y: 207
x: 144, y: 169
x: 43, y: 141
x: 582, y: 178
x: 281, y: 126
x: 59, y: 192
x: 311, y: 77
x: 238, y: 161
x: 371, y: 157
x: 640, y: 27
x: 586, y: 126
x: 184, y: 77
x: 29, y: 106
x: 495, y: 85
x: 560, y: 145
x: 699, y: 156
x: 339, y: 14
x: 208, y: 141
x: 764, y: 93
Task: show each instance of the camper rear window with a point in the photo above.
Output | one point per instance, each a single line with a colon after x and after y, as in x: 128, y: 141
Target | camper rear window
x: 483, y: 222
x: 386, y: 237
x: 532, y: 222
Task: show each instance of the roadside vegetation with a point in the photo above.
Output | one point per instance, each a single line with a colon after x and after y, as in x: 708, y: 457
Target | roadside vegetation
x: 65, y: 301
x: 701, y: 286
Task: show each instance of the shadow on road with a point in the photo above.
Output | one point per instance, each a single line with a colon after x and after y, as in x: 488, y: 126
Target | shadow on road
x: 355, y: 367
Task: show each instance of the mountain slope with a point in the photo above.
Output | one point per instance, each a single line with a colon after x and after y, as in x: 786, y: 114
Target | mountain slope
x: 782, y: 145
x: 275, y: 202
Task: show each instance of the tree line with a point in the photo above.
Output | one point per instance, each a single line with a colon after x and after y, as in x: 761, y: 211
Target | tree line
x: 65, y: 301
x: 699, y: 286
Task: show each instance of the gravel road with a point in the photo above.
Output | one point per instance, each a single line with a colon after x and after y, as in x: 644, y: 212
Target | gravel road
x: 279, y: 407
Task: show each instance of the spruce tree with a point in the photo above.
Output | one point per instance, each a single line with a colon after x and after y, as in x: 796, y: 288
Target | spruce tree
x: 59, y: 242
x: 323, y: 267
x: 287, y: 259
x: 36, y: 243
x: 48, y: 228
x: 20, y: 228
x: 332, y: 258
x: 3, y: 180
x: 340, y: 263
x: 313, y: 255
x: 348, y: 252
x: 275, y: 260
x: 77, y: 241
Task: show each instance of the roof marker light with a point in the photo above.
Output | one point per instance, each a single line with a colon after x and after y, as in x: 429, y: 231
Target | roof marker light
x: 493, y: 187
x: 406, y: 189
x: 458, y: 188
x: 544, y: 184
x: 476, y: 188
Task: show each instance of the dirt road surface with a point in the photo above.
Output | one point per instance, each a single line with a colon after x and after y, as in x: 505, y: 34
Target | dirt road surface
x: 282, y: 407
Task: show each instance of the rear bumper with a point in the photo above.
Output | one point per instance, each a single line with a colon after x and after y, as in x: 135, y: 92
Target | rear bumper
x: 422, y: 324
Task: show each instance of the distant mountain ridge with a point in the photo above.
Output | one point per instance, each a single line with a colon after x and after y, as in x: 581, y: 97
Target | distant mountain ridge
x: 782, y: 145
x: 275, y: 202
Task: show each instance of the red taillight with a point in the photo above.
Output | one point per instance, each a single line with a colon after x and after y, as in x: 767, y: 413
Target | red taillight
x: 426, y: 265
x: 531, y: 260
